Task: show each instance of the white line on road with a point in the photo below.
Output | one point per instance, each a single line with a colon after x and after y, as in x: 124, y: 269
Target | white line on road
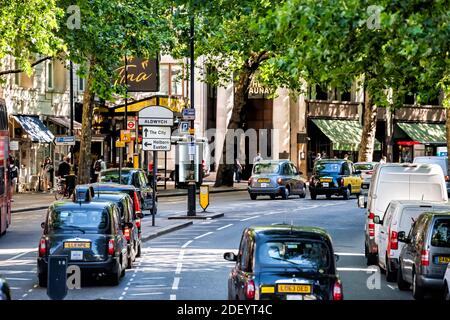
x: 176, y: 282
x: 359, y: 269
x: 224, y: 227
x: 173, y: 297
x: 203, y: 235
x: 349, y: 254
x: 146, y: 293
x: 19, y: 255
x: 187, y: 243
x: 392, y: 287
x: 254, y: 217
x: 179, y: 266
x: 120, y: 298
x: 18, y: 279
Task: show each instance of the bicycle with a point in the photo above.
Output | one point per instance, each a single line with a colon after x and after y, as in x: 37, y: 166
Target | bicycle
x: 62, y: 191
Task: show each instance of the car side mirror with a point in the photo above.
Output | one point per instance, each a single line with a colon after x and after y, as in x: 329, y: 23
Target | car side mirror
x: 230, y: 256
x: 358, y: 172
x: 377, y: 220
x: 43, y: 225
x: 402, y: 237
x: 362, y: 202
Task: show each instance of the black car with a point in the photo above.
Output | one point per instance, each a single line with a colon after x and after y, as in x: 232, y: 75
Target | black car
x: 89, y: 234
x: 128, y: 219
x: 284, y: 262
x: 5, y: 292
x: 132, y: 177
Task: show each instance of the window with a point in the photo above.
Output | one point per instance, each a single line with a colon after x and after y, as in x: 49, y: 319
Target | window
x: 346, y: 169
x: 171, y: 79
x: 2, y: 180
x: 440, y: 237
x: 321, y: 94
x: 262, y: 168
x: 74, y: 220
x: 80, y: 84
x: 50, y: 75
x: 244, y: 253
x: 17, y: 76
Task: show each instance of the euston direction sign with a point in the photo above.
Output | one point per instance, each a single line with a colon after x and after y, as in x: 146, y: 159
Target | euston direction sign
x: 65, y: 141
x: 156, y: 116
x: 156, y: 144
x: 188, y: 114
x: 156, y: 132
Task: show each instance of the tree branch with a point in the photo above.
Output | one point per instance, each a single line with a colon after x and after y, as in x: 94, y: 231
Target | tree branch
x: 2, y: 73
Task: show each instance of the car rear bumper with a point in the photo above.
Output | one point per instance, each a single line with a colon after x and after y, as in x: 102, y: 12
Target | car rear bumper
x: 321, y: 191
x: 431, y: 283
x: 372, y: 246
x: 107, y: 266
x: 266, y: 191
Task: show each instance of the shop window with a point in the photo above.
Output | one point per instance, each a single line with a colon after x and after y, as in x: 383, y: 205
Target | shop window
x: 409, y: 99
x: 171, y: 79
x: 80, y: 84
x: 320, y: 93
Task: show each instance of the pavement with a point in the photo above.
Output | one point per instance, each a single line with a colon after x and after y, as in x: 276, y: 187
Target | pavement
x: 188, y: 263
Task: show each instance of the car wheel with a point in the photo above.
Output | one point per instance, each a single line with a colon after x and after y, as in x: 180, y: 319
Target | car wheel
x: 401, y: 283
x: 312, y: 195
x: 42, y: 280
x: 253, y: 196
x: 347, y: 194
x: 122, y: 273
x: 371, y: 258
x: 272, y: 197
x: 446, y: 292
x: 391, y: 276
x: 285, y: 194
x: 328, y: 196
x: 129, y: 263
x: 417, y: 291
x: 139, y: 251
x: 114, y: 278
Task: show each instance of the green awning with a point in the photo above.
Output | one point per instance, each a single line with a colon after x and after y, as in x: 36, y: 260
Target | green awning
x: 344, y: 134
x: 425, y: 133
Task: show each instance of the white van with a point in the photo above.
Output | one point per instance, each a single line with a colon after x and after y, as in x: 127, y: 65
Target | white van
x: 441, y: 161
x: 399, y: 216
x: 395, y: 181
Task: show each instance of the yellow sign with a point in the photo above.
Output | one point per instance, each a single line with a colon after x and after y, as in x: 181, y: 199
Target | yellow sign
x: 204, y: 197
x: 120, y: 144
x: 125, y: 135
x: 136, y: 161
x: 191, y: 130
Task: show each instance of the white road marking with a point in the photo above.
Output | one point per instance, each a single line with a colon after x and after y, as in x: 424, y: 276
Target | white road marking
x: 203, y: 235
x: 176, y: 282
x: 187, y: 243
x: 18, y: 279
x: 224, y: 227
x: 121, y: 298
x: 26, y: 294
x: 359, y: 269
x: 179, y: 266
x: 19, y: 255
x: 254, y: 217
x: 392, y: 287
x: 349, y: 254
x: 173, y: 297
x: 146, y: 293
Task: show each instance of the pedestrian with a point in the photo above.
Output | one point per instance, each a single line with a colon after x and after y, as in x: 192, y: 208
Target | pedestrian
x: 238, y: 170
x: 318, y: 157
x: 346, y: 156
x: 99, y: 165
x: 130, y: 163
x: 324, y: 155
x: 14, y: 174
x: 383, y: 159
x: 49, y: 170
x: 257, y: 158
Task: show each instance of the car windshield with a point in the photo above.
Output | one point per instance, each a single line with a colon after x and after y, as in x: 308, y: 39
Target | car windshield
x: 262, y: 168
x: 305, y: 254
x: 363, y: 166
x: 113, y: 176
x: 70, y: 220
x: 327, y: 167
x: 441, y: 233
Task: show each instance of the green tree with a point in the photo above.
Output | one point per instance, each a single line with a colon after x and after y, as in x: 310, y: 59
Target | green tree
x: 108, y: 31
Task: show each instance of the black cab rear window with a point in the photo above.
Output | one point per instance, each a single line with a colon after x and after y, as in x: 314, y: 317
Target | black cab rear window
x: 76, y: 220
x: 440, y: 235
x: 113, y: 176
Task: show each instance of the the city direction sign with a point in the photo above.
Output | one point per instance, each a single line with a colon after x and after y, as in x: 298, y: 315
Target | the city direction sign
x: 65, y: 141
x: 156, y: 144
x: 156, y: 116
x: 156, y: 132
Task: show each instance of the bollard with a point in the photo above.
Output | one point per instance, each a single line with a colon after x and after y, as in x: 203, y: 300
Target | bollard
x: 57, y: 277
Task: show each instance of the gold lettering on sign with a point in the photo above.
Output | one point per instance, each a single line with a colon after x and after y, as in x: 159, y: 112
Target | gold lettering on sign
x: 131, y: 76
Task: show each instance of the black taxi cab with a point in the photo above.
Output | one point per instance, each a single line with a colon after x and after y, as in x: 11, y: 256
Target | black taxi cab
x: 335, y: 177
x: 89, y: 234
x: 284, y: 262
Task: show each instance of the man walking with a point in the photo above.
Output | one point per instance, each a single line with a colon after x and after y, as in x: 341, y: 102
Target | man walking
x: 257, y: 158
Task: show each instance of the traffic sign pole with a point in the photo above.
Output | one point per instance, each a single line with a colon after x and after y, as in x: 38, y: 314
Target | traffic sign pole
x: 191, y: 184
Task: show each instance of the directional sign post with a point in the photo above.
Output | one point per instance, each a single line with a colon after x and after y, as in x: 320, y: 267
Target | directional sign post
x: 65, y: 141
x: 156, y: 132
x: 188, y: 114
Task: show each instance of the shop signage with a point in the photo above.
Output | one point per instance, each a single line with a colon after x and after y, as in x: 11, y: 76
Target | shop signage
x: 142, y: 75
x: 65, y: 141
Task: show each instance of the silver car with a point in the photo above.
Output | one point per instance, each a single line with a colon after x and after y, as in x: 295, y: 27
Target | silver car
x: 276, y: 178
x: 426, y: 254
x: 366, y: 169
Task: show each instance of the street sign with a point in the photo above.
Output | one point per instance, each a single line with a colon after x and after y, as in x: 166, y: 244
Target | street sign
x: 125, y: 135
x: 156, y: 145
x: 131, y: 125
x: 156, y: 116
x: 191, y: 150
x: 184, y: 127
x: 204, y: 197
x: 14, y: 145
x: 120, y: 144
x: 156, y: 132
x: 188, y: 114
x: 191, y: 130
x: 65, y: 141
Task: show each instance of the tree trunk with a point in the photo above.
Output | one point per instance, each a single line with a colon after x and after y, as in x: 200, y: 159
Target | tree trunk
x: 367, y: 144
x: 226, y: 170
x: 85, y: 159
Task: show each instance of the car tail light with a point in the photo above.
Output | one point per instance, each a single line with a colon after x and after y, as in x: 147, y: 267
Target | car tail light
x: 250, y: 289
x: 111, y: 247
x: 447, y: 178
x: 394, y: 240
x: 138, y: 223
x: 337, y: 290
x: 369, y: 172
x: 203, y: 165
x: 126, y: 232
x: 137, y: 206
x: 425, y: 258
x: 371, y: 224
x: 42, y: 247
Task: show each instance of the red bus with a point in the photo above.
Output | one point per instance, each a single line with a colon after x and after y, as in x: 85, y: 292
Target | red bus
x: 5, y: 189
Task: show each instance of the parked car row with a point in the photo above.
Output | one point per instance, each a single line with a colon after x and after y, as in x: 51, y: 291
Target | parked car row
x: 407, y: 231
x: 99, y: 231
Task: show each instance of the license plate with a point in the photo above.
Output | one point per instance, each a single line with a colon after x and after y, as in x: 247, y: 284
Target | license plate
x: 76, y: 255
x: 263, y: 185
x: 294, y: 297
x: 294, y: 288
x: 77, y: 245
x: 326, y: 180
x: 443, y: 260
x: 325, y: 184
x: 263, y: 180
